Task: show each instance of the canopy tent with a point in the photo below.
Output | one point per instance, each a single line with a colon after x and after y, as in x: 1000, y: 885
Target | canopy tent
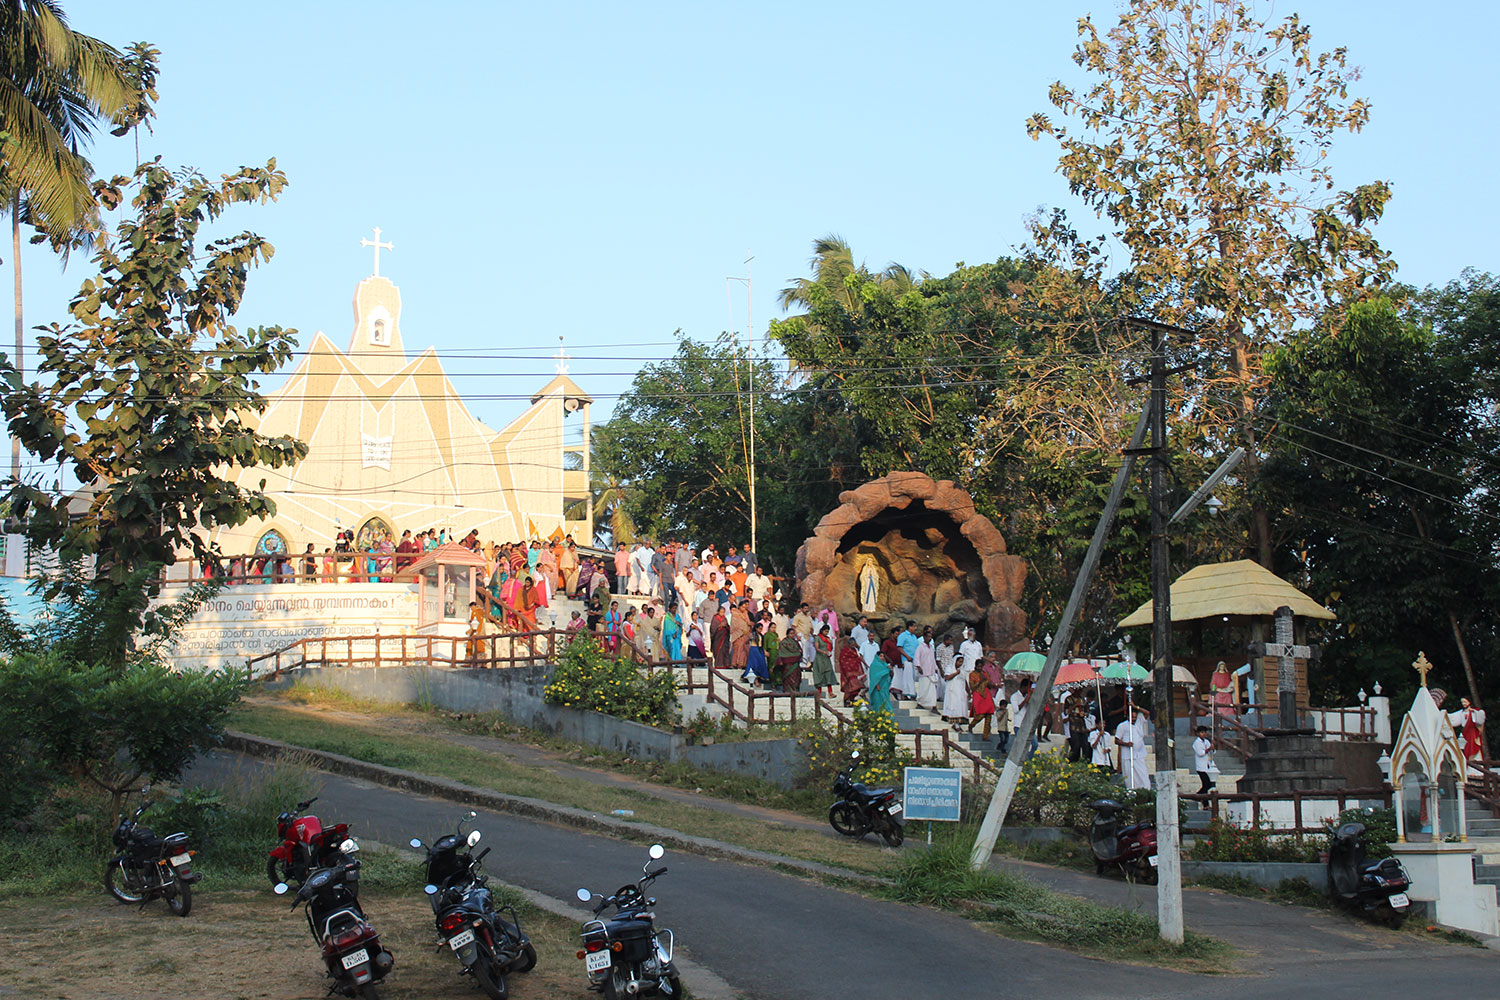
x: 1243, y: 588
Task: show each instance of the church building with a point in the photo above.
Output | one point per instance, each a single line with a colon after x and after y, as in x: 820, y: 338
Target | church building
x: 392, y: 447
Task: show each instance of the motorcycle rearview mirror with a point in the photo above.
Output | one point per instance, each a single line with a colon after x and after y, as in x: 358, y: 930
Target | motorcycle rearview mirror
x: 430, y: 889
x: 414, y: 842
x: 473, y: 838
x: 349, y: 846
x: 584, y: 895
x: 657, y: 852
x: 280, y: 888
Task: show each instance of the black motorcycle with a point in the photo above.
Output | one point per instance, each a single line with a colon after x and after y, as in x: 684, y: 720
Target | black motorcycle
x: 150, y: 867
x: 1374, y: 888
x: 488, y: 946
x: 860, y: 810
x: 626, y: 956
x: 350, y: 945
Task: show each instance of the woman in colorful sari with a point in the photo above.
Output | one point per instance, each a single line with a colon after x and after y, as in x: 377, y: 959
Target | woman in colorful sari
x: 671, y: 633
x: 526, y: 605
x: 771, y: 645
x: 880, y: 684
x: 789, y: 662
x: 852, y: 672
x: 755, y: 656
x: 739, y: 636
x: 718, y: 637
x: 823, y: 677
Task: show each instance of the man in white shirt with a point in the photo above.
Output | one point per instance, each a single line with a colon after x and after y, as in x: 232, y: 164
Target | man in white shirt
x: 1130, y: 736
x: 860, y: 633
x: 1203, y: 749
x: 970, y: 649
x: 758, y: 586
x: 1101, y: 748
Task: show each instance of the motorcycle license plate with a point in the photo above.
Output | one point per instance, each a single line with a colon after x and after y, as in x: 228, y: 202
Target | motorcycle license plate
x: 895, y: 809
x: 178, y: 860
x: 1399, y: 901
x: 1154, y: 860
x: 597, y: 961
x: 460, y: 939
x: 355, y: 958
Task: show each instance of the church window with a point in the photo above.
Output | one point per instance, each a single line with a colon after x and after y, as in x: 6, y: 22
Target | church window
x: 272, y: 543
x: 372, y: 532
x: 377, y: 332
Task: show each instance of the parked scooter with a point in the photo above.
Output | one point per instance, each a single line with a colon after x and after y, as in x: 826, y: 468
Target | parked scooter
x: 626, y: 954
x: 306, y: 845
x: 488, y: 946
x: 1374, y: 888
x: 1131, y: 848
x: 150, y: 867
x: 860, y: 810
x: 351, y: 948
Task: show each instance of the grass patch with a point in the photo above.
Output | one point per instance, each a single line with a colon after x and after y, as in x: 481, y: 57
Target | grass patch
x: 436, y: 754
x: 67, y: 846
x: 1289, y: 892
x: 1071, y: 854
x: 940, y: 876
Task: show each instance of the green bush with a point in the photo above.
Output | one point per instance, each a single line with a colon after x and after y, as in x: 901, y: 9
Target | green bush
x: 829, y: 749
x: 587, y: 677
x: 1225, y: 841
x: 1380, y: 829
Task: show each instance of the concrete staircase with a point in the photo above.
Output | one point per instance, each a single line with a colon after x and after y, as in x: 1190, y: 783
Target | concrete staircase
x: 1484, y: 836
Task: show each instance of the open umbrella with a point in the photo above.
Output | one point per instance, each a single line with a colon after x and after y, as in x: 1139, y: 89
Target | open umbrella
x: 1075, y: 676
x: 1025, y: 663
x: 1180, y: 675
x: 1121, y: 672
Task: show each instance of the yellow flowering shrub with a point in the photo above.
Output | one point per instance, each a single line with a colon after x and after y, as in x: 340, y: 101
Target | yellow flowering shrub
x: 589, y: 678
x: 872, y: 733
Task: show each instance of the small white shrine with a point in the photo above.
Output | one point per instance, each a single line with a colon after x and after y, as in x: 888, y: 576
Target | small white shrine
x: 1427, y: 775
x: 1427, y: 771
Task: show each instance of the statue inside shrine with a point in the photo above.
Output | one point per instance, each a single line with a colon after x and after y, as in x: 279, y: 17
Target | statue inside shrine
x: 869, y: 586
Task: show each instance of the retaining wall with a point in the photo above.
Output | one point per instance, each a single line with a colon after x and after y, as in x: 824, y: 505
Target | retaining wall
x: 516, y: 694
x: 1267, y: 873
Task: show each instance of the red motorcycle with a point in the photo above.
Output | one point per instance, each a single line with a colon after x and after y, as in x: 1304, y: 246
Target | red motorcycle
x: 350, y: 945
x: 1131, y: 848
x: 306, y: 845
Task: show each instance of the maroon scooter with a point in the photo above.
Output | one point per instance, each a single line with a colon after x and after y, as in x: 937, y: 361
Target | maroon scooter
x: 350, y: 945
x: 1131, y: 848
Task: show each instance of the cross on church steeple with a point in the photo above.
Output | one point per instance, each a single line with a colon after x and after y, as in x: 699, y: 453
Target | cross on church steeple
x: 561, y: 356
x: 379, y: 246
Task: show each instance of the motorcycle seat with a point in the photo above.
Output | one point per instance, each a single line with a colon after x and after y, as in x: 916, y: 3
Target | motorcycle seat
x: 872, y: 793
x: 143, y: 841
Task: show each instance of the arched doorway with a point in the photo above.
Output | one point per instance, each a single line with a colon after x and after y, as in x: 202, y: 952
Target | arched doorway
x: 372, y: 533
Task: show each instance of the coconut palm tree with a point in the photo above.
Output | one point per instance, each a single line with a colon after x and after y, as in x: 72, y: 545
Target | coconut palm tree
x: 608, y: 493
x: 55, y: 85
x: 832, y: 262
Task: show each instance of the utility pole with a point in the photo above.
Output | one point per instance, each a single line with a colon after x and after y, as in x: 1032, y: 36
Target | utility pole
x: 749, y: 280
x: 1168, y: 839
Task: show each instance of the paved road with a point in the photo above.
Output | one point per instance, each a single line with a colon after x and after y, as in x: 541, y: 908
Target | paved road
x: 775, y: 936
x: 769, y: 935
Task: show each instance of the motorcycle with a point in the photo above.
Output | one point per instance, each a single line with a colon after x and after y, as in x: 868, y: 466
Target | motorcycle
x: 351, y: 946
x: 1374, y: 888
x: 488, y: 946
x: 859, y: 810
x: 306, y: 845
x: 150, y: 867
x: 625, y: 955
x: 1131, y: 848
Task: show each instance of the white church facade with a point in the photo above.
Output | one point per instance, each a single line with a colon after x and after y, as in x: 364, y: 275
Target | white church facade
x: 392, y: 446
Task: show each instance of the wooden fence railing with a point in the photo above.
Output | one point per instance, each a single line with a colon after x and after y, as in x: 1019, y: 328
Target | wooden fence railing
x: 509, y: 649
x: 1214, y: 802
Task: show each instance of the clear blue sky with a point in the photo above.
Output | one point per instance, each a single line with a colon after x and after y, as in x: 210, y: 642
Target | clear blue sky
x: 596, y: 170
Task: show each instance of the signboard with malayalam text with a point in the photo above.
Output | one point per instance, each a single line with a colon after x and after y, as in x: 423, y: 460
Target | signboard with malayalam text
x: 933, y: 793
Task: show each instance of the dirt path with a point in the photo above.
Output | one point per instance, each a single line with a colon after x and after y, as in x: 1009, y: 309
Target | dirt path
x: 241, y: 944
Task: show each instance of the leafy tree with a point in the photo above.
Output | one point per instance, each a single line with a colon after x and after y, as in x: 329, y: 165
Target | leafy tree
x: 72, y: 709
x: 1202, y: 139
x: 607, y: 500
x: 55, y: 83
x: 149, y: 396
x: 1381, y: 461
x: 677, y: 445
